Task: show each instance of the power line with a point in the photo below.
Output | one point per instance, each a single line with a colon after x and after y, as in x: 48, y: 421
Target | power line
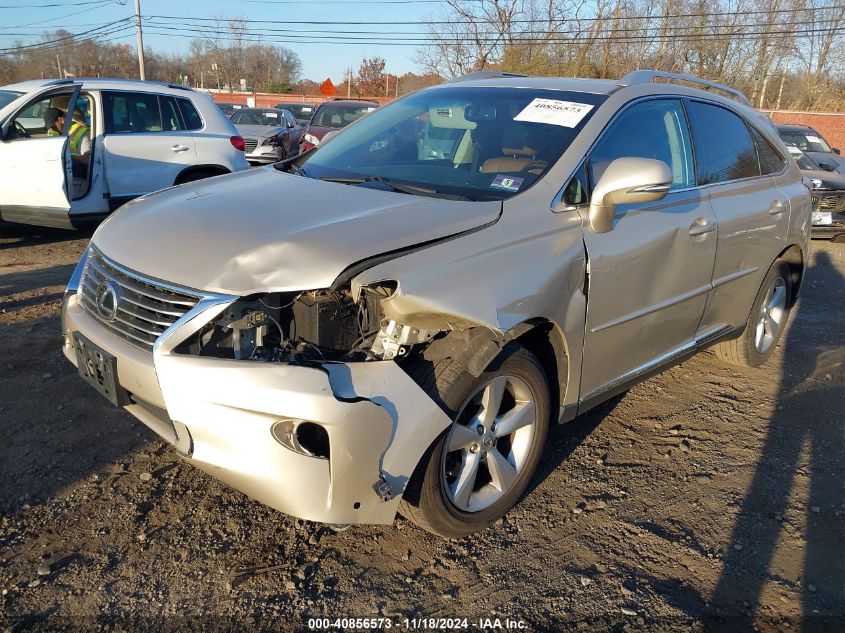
x: 741, y: 36
x: 418, y: 36
x: 514, y: 21
x: 123, y: 32
x: 65, y: 38
x: 60, y: 17
x: 50, y: 5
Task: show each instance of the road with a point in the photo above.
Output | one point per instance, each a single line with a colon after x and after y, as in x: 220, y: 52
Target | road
x: 708, y: 494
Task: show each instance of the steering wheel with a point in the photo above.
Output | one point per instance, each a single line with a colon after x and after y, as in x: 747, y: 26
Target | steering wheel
x: 20, y: 130
x: 534, y: 164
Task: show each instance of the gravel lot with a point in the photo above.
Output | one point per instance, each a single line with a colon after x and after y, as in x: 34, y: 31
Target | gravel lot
x: 705, y: 497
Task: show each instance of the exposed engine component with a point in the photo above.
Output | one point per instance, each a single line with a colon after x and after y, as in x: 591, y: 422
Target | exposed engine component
x: 393, y: 338
x: 309, y: 326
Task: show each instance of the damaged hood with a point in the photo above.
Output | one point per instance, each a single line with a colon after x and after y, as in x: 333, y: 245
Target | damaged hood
x: 268, y: 231
x: 259, y: 131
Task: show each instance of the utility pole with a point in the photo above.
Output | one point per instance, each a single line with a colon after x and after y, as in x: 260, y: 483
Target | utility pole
x: 349, y: 83
x: 386, y: 85
x: 59, y: 66
x: 140, y: 40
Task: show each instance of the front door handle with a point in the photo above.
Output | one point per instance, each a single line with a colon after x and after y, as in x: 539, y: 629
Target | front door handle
x: 701, y: 226
x: 777, y: 208
x: 180, y: 148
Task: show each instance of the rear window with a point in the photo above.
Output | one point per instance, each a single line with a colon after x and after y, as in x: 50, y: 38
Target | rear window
x: 727, y: 155
x: 131, y: 112
x: 193, y: 120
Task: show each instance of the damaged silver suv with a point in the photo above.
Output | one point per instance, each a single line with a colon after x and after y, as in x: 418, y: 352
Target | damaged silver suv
x: 393, y: 320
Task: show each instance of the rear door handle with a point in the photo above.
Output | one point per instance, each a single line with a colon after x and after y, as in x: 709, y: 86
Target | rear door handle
x: 777, y: 208
x: 702, y: 226
x: 180, y: 148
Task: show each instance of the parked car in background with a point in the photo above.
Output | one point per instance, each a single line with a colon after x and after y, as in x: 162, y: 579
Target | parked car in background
x: 809, y: 141
x: 145, y: 136
x: 382, y: 326
x: 270, y: 134
x: 334, y: 115
x: 828, y: 193
x: 301, y: 111
x: 229, y: 108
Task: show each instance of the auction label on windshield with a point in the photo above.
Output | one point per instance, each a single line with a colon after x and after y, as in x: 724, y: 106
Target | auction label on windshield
x: 554, y: 112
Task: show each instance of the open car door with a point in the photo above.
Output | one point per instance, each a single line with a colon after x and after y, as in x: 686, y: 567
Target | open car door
x: 35, y: 168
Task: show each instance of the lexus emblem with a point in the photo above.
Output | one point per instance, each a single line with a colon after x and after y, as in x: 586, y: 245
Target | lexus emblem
x: 108, y: 294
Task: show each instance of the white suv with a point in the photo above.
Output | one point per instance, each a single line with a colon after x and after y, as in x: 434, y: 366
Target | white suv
x: 145, y: 136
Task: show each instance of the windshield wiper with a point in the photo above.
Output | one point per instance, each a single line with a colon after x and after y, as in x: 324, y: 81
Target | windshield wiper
x: 401, y: 187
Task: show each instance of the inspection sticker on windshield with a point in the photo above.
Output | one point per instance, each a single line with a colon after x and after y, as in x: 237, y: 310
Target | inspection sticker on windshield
x: 506, y: 183
x: 813, y: 139
x: 554, y: 112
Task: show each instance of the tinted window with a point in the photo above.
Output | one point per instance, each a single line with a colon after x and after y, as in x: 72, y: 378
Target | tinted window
x: 771, y: 161
x: 192, y: 118
x: 171, y: 119
x: 723, y: 144
x: 653, y: 129
x: 131, y: 112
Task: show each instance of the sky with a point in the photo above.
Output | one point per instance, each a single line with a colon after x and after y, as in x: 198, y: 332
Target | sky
x: 26, y: 20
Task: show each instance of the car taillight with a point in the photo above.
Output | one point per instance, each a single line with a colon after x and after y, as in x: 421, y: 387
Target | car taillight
x: 238, y: 143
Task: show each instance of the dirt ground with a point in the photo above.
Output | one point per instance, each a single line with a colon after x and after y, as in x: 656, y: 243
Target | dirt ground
x: 707, y: 498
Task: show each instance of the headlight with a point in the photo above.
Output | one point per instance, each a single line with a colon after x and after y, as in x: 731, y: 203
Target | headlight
x: 271, y: 140
x: 817, y: 184
x: 310, y: 138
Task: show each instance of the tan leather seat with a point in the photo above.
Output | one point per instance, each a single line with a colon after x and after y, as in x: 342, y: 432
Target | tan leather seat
x: 516, y: 155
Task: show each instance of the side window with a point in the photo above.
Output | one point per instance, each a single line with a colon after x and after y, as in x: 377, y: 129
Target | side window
x: 652, y: 129
x: 192, y: 118
x: 723, y: 144
x: 770, y: 159
x: 31, y: 121
x: 171, y: 118
x: 575, y: 192
x: 131, y: 112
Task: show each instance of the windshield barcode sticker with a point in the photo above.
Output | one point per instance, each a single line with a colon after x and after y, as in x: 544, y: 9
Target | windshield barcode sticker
x: 554, y: 112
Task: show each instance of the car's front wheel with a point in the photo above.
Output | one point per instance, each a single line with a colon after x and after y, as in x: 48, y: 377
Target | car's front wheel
x: 481, y: 465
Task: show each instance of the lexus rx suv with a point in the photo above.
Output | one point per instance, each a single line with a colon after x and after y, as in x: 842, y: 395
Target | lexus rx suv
x: 391, y: 323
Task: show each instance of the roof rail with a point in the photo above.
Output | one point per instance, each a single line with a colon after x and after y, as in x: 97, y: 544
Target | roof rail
x: 485, y: 74
x: 647, y: 76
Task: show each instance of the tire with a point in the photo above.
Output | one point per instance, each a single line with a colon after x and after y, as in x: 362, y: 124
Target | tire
x: 440, y: 497
x: 753, y: 347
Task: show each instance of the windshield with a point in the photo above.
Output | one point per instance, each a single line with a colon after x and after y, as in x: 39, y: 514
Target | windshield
x: 269, y: 117
x: 301, y: 112
x: 478, y: 143
x: 7, y: 96
x: 338, y: 116
x: 805, y: 141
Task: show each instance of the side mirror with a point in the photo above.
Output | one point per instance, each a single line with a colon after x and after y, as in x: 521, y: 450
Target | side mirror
x: 627, y: 181
x: 835, y: 150
x: 826, y: 166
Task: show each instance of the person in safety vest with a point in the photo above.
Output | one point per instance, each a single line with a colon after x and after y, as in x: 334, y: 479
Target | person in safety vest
x: 79, y: 138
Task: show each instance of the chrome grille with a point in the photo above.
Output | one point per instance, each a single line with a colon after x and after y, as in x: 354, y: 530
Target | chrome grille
x: 145, y: 309
x: 250, y: 144
x: 832, y: 203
